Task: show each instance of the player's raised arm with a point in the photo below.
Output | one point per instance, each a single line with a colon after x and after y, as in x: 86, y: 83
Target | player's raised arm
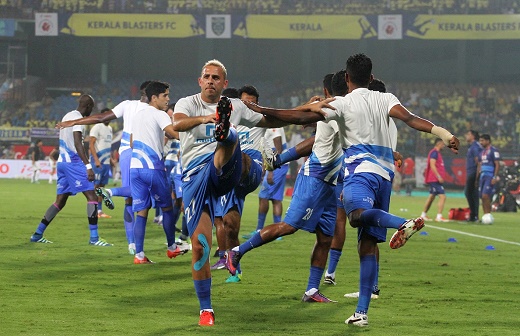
x: 90, y: 120
x: 400, y: 112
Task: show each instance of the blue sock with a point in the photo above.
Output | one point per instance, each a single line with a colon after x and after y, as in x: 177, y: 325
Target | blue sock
x: 121, y: 191
x: 169, y: 227
x: 94, y: 235
x: 289, y: 155
x: 315, y: 277
x: 251, y: 243
x: 203, y: 290
x: 334, y: 255
x: 41, y: 228
x: 277, y: 219
x: 231, y: 138
x: 380, y: 218
x: 376, y: 282
x: 139, y: 231
x: 157, y: 212
x: 128, y: 216
x: 261, y: 221
x: 221, y: 254
x: 100, y: 206
x: 367, y: 277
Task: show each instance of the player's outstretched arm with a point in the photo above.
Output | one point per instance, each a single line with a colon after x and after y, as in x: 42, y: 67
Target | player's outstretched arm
x: 400, y: 112
x: 90, y: 120
x: 301, y: 115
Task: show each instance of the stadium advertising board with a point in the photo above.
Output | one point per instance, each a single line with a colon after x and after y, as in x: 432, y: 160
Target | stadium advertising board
x: 14, y: 134
x: 341, y: 27
x: 23, y: 169
x: 464, y: 27
x: 130, y: 25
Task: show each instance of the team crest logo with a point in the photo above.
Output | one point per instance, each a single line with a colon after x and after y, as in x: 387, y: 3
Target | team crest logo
x: 218, y: 25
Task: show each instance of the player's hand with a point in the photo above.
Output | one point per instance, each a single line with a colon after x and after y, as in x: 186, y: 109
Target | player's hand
x: 64, y: 124
x: 90, y: 175
x: 98, y: 164
x: 317, y: 106
x: 314, y: 99
x: 253, y: 106
x: 454, y: 145
x: 398, y: 159
x: 209, y: 119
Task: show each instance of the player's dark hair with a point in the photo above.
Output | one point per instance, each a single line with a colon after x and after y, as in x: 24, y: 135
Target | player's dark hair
x: 250, y: 90
x: 230, y: 92
x: 339, y: 83
x: 359, y: 69
x: 144, y: 85
x: 485, y: 137
x: 155, y: 88
x: 475, y: 134
x: 327, y: 82
x: 377, y: 85
x: 436, y: 141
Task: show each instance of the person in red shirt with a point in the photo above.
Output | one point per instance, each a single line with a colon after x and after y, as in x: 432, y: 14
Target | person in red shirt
x: 434, y: 177
x: 408, y: 172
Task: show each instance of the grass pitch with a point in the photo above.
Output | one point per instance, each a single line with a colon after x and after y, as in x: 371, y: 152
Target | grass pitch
x: 429, y: 287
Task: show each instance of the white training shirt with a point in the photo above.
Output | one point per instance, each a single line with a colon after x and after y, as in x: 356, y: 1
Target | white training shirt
x: 68, y: 151
x: 127, y: 109
x: 172, y: 149
x: 148, y: 138
x: 363, y: 124
x: 103, y: 144
x: 198, y: 143
x: 272, y: 133
x: 325, y: 160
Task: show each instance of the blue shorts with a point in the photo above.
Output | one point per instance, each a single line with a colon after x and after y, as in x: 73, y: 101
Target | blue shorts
x: 339, y: 188
x: 313, y: 205
x: 124, y: 167
x: 203, y: 187
x: 102, y: 173
x: 367, y: 191
x: 276, y: 190
x: 436, y: 188
x: 237, y: 196
x: 72, y: 178
x: 148, y: 184
x: 485, y: 187
x: 174, y: 172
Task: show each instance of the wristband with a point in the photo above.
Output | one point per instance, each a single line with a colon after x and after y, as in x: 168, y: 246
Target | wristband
x: 88, y: 166
x: 442, y: 133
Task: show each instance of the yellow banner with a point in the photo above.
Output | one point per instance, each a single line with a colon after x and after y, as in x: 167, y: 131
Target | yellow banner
x: 465, y: 27
x: 132, y: 25
x: 346, y: 27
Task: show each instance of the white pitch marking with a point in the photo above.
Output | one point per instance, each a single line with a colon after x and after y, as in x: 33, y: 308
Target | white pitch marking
x: 473, y: 235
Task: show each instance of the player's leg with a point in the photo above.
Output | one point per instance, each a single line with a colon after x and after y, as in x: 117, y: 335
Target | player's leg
x: 336, y: 247
x: 140, y: 180
x: 367, y: 275
x: 428, y: 203
x: 49, y: 215
x: 324, y: 229
x: 201, y: 273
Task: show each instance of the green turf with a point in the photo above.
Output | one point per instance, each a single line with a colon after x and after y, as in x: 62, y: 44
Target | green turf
x: 429, y: 287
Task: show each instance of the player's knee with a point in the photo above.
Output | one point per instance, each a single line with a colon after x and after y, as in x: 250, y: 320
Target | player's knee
x: 354, y: 218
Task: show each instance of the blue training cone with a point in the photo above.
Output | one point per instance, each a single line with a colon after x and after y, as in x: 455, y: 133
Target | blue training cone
x: 423, y: 233
x: 452, y: 240
x: 490, y: 247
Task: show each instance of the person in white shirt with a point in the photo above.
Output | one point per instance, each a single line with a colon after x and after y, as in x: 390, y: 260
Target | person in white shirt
x: 100, y: 144
x: 363, y: 122
x: 147, y: 171
x: 75, y: 175
x: 213, y: 164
